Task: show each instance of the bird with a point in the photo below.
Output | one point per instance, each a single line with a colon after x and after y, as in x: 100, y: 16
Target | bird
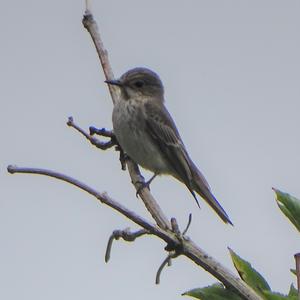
x: 147, y: 133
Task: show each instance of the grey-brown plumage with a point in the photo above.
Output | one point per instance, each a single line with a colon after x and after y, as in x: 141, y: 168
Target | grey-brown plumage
x: 147, y: 133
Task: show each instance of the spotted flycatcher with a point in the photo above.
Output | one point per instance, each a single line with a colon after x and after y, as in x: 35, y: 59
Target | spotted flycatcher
x: 148, y: 135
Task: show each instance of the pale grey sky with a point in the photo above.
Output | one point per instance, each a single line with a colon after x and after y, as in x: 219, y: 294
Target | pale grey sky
x: 231, y: 75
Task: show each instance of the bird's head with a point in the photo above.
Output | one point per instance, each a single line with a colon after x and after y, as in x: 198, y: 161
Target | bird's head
x: 139, y: 83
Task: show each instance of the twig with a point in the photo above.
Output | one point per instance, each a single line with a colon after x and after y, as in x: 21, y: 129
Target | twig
x: 188, y: 225
x: 102, y: 197
x: 126, y: 235
x: 87, y: 5
x: 175, y: 226
x: 166, y: 261
x: 91, y: 139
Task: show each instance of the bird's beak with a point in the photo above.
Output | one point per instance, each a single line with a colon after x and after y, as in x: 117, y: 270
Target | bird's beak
x: 114, y: 82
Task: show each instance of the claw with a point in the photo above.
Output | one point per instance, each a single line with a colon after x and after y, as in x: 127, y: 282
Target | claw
x: 144, y: 184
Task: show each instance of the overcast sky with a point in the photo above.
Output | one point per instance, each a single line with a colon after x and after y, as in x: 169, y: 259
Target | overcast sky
x: 231, y: 76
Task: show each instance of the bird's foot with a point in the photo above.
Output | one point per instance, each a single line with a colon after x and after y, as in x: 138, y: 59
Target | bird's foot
x: 101, y: 132
x: 143, y: 184
x: 123, y: 157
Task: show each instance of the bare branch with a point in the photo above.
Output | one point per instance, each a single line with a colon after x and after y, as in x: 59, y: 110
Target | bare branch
x: 102, y: 197
x: 94, y: 141
x: 181, y: 245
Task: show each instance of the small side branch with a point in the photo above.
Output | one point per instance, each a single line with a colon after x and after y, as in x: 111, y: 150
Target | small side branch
x: 166, y: 262
x: 101, y: 145
x: 102, y: 197
x: 188, y: 225
x: 93, y: 140
x: 126, y: 235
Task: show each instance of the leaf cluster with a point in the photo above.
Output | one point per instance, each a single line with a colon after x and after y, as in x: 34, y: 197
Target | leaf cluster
x: 290, y: 206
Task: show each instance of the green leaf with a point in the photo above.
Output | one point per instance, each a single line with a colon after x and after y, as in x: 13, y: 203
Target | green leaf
x: 290, y: 206
x: 213, y: 292
x: 294, y: 271
x: 293, y: 292
x: 277, y: 296
x: 249, y: 274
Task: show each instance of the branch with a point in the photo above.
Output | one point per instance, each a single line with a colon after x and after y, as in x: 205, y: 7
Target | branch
x: 178, y: 245
x: 102, y: 197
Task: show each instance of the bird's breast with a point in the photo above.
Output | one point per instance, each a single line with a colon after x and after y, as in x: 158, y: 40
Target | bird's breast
x: 130, y: 128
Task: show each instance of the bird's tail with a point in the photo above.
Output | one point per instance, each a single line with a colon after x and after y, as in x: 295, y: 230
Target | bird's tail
x: 201, y: 187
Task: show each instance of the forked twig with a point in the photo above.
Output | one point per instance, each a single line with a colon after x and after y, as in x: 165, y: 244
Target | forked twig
x: 101, y: 145
x: 93, y: 140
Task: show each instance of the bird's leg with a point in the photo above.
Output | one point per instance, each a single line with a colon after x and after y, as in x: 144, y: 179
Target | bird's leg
x: 101, y: 132
x: 144, y: 184
x: 123, y: 156
x: 150, y: 180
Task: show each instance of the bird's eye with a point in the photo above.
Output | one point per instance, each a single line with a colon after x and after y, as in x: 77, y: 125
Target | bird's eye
x: 139, y: 83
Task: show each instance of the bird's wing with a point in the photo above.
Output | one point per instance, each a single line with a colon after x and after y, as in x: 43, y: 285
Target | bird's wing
x: 162, y: 129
